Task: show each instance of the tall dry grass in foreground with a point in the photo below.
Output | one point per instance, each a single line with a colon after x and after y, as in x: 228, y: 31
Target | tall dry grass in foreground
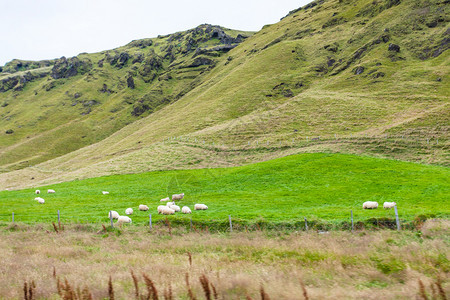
x: 81, y: 262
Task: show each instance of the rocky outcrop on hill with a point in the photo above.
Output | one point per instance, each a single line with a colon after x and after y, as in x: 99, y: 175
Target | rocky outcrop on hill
x: 17, y: 65
x: 65, y: 68
x: 18, y: 82
x: 150, y: 66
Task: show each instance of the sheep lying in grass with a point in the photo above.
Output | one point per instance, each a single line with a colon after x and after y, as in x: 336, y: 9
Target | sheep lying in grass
x: 123, y: 219
x: 169, y: 204
x: 37, y: 192
x: 143, y: 207
x: 200, y: 207
x: 370, y: 205
x: 40, y: 200
x: 129, y: 211
x: 164, y: 200
x: 176, y: 208
x: 177, y: 196
x: 114, y: 214
x: 186, y: 210
x: 389, y: 205
x: 105, y: 193
x: 50, y: 191
x: 167, y: 211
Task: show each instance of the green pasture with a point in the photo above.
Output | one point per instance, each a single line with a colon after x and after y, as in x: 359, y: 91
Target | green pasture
x: 320, y: 187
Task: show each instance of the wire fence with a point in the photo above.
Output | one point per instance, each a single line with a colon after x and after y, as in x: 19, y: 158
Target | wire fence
x: 235, y: 223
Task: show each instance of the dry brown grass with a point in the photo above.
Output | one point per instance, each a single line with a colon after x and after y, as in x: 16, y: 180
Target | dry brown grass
x: 76, y: 264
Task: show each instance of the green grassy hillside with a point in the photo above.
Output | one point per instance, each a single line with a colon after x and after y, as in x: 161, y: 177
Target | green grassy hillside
x: 50, y: 108
x: 373, y: 74
x: 320, y: 187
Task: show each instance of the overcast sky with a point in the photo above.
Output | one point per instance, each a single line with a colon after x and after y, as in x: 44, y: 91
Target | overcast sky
x: 46, y: 29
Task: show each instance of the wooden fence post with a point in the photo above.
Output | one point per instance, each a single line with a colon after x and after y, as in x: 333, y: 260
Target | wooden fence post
x: 396, y: 218
x: 351, y: 212
x: 59, y: 219
x: 306, y: 224
x: 231, y: 225
x: 150, y: 221
x: 13, y: 217
x: 111, y: 219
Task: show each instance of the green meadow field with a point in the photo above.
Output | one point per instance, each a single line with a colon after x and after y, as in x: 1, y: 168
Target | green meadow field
x: 321, y: 187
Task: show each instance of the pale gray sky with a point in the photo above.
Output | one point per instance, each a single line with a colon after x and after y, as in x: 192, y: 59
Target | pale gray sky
x: 46, y: 29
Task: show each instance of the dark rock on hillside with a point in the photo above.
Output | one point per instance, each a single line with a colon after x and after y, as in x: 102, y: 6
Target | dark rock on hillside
x: 139, y: 109
x: 444, y: 45
x: 138, y: 58
x: 65, y: 68
x: 201, y: 61
x: 105, y: 89
x: 333, y: 48
x: 130, y: 82
x: 394, y: 48
x: 288, y: 93
x: 122, y: 59
x: 378, y: 75
x: 100, y: 63
x: 9, y: 131
x: 358, y: 70
x: 331, y: 62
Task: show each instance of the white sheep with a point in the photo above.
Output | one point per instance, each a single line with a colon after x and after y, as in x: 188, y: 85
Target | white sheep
x: 167, y: 211
x: 123, y: 219
x: 165, y: 199
x: 50, y: 191
x: 169, y: 204
x: 105, y: 193
x: 370, y: 205
x: 389, y: 205
x: 178, y: 196
x: 129, y: 211
x: 186, y: 210
x: 176, y: 208
x: 114, y: 214
x: 40, y: 200
x: 160, y: 208
x: 37, y: 192
x: 200, y: 207
x: 143, y: 207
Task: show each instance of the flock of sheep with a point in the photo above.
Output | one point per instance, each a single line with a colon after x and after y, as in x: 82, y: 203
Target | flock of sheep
x: 374, y: 204
x: 169, y: 209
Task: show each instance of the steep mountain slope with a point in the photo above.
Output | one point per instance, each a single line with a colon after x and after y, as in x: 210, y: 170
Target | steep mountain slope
x: 50, y: 108
x: 368, y: 77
